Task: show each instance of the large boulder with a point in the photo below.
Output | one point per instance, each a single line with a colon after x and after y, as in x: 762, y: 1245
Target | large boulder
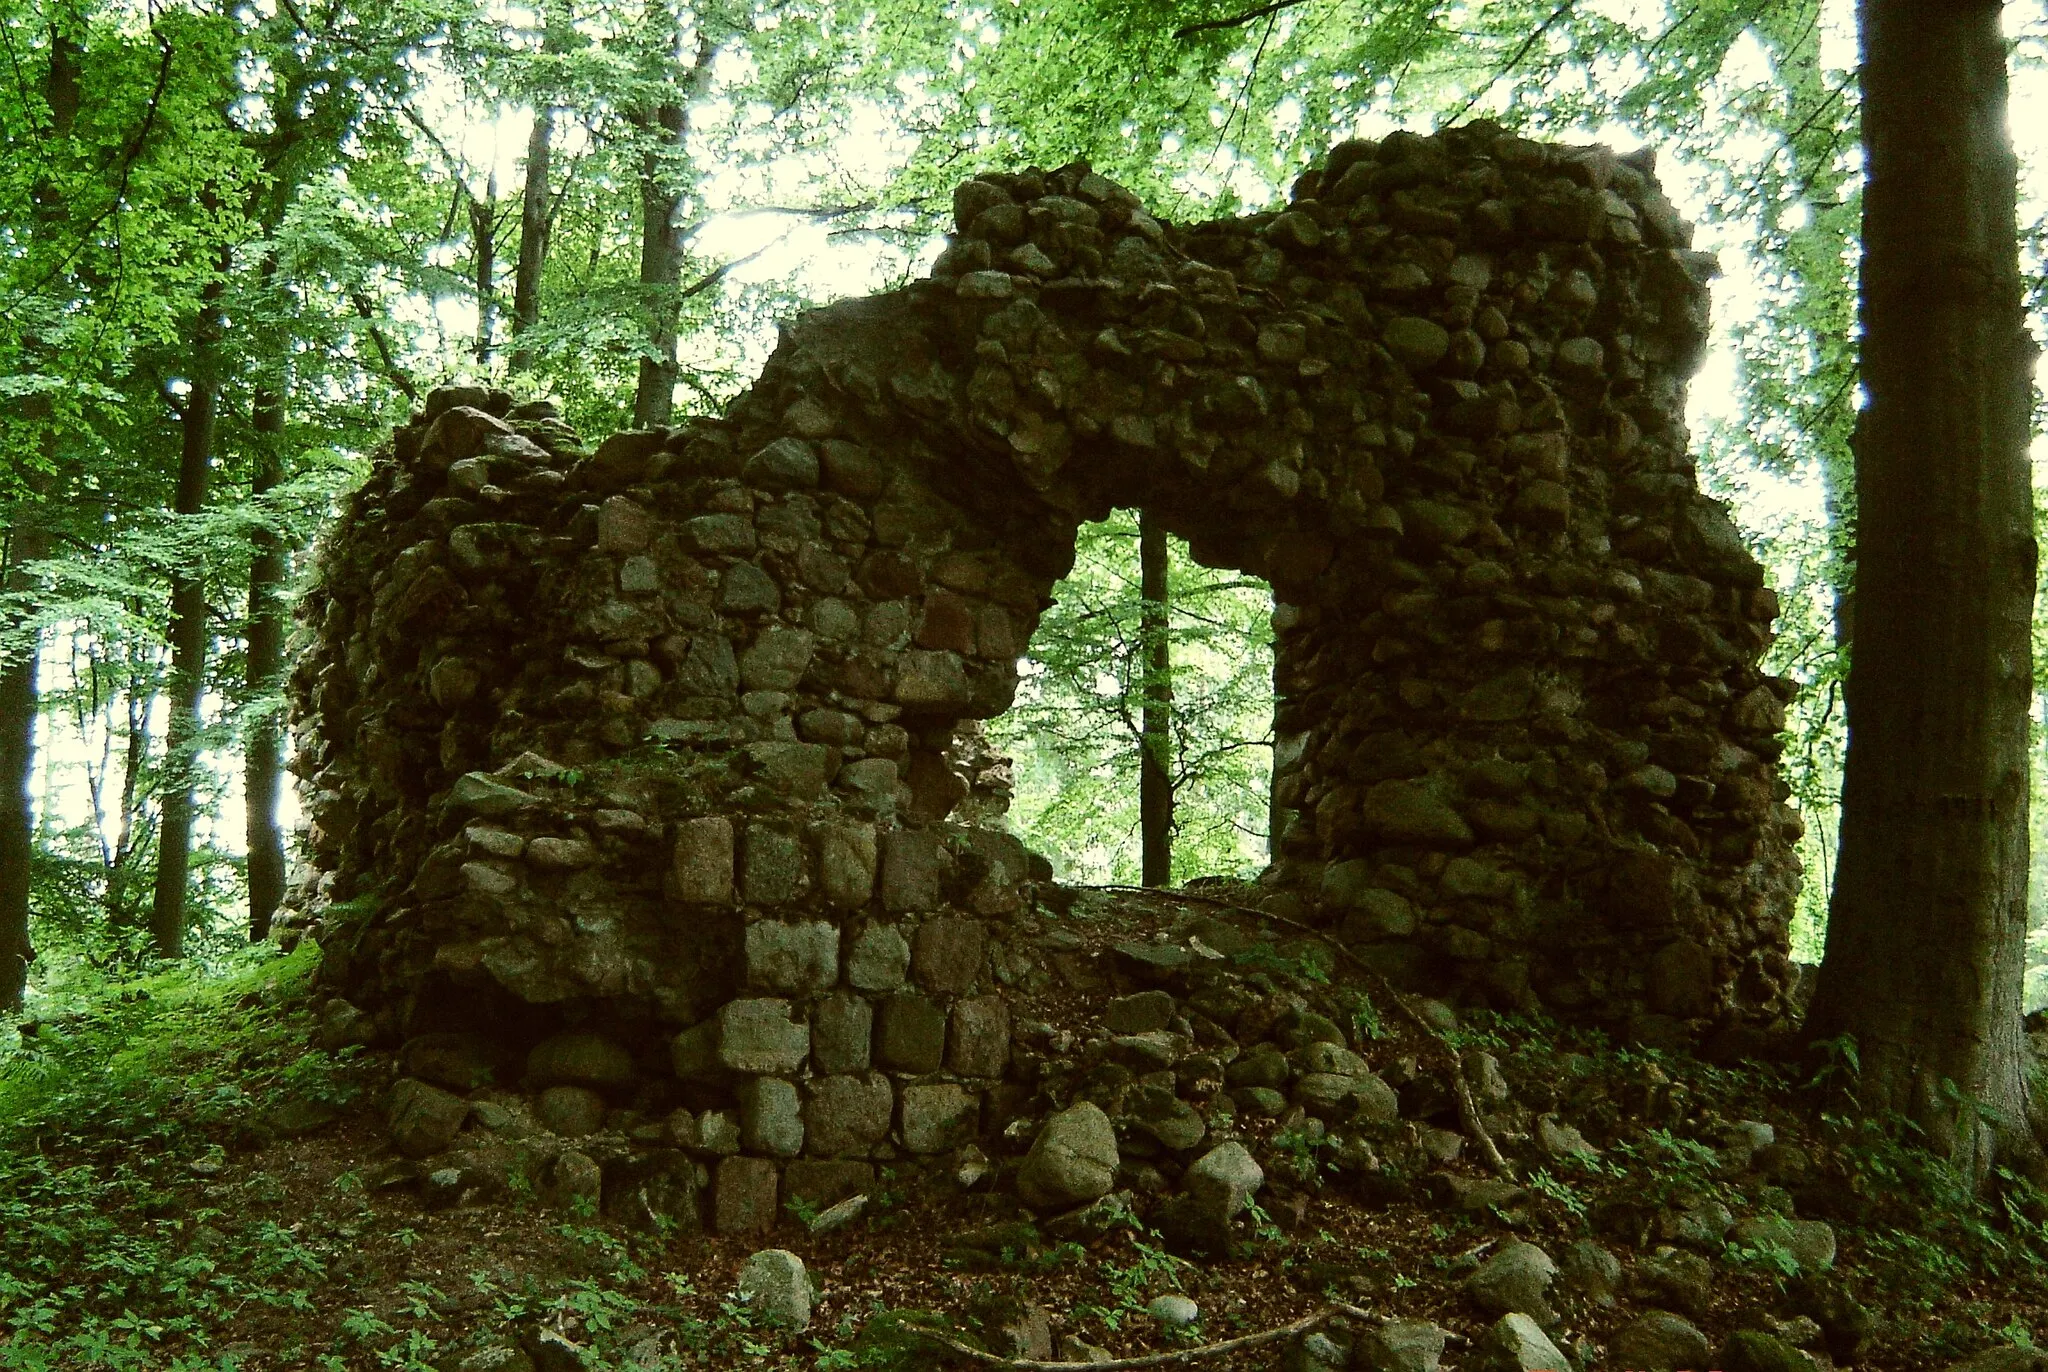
x: 1072, y: 1161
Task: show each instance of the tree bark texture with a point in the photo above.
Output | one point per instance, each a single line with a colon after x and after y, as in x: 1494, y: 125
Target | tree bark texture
x: 666, y: 131
x: 483, y: 231
x: 263, y: 744
x: 533, y: 234
x: 1925, y: 935
x: 661, y: 265
x: 534, y: 218
x: 28, y: 542
x: 188, y: 640
x: 19, y: 658
x: 1155, y: 753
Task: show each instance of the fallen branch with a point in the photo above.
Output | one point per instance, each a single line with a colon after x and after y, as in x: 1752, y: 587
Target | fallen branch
x: 1454, y: 1066
x: 1172, y: 1358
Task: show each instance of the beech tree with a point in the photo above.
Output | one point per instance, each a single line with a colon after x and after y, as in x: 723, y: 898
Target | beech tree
x: 1926, y: 933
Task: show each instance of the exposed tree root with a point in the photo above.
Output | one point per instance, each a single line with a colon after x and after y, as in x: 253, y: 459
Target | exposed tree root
x: 1172, y: 1358
x: 1453, y: 1066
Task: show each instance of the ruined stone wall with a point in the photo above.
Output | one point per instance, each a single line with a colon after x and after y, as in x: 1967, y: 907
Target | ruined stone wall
x: 664, y: 739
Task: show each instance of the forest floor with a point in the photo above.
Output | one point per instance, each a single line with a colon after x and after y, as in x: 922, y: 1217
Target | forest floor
x: 185, y: 1184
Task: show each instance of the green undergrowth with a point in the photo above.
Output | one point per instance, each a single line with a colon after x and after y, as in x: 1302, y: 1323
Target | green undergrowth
x: 113, y: 1116
x: 176, y: 1193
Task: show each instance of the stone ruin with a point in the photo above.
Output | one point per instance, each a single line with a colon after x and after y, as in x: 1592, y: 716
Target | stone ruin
x: 673, y: 743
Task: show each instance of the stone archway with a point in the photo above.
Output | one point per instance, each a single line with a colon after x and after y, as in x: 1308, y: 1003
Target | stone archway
x: 657, y: 737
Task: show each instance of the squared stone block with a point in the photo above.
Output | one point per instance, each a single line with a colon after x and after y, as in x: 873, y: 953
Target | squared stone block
x: 846, y: 864
x: 946, y: 954
x: 880, y: 960
x: 910, y: 1034
x: 978, y: 1043
x: 842, y: 1034
x: 701, y: 871
x: 743, y: 1196
x: 937, y: 1116
x: 820, y: 1183
x: 771, y: 1117
x: 774, y: 866
x: 913, y: 864
x: 793, y: 959
x: 847, y: 1115
x: 759, y: 1036
x: 798, y: 770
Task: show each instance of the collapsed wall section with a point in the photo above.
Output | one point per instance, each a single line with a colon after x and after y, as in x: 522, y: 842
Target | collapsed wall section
x: 668, y: 740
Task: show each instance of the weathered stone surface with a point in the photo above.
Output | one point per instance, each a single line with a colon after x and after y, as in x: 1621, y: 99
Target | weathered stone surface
x: 1515, y: 1280
x: 1140, y: 1013
x: 1659, y: 1342
x: 1809, y: 1243
x: 946, y: 954
x: 1073, y: 1160
x: 580, y: 1059
x: 771, y: 1117
x: 936, y: 1117
x: 846, y: 866
x: 571, y: 1111
x: 880, y: 960
x: 913, y: 860
x: 847, y: 1115
x: 1401, y: 1346
x: 910, y: 1034
x: 576, y: 1182
x: 423, y: 1119
x: 1516, y: 1343
x: 775, y: 1287
x: 760, y: 1036
x: 978, y: 1039
x: 744, y: 1195
x: 793, y: 959
x: 703, y: 864
x: 842, y: 1033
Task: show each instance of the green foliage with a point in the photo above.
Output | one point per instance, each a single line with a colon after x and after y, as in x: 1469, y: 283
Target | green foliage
x: 1075, y: 729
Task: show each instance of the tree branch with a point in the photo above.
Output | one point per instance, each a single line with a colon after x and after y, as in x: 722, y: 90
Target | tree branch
x: 1236, y: 20
x: 1172, y: 1358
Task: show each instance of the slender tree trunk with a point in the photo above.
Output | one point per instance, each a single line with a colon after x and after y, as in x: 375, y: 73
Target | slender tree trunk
x: 19, y: 659
x: 666, y: 131
x: 28, y: 542
x: 533, y: 235
x: 483, y: 236
x: 1155, y: 753
x: 1925, y: 935
x: 188, y: 641
x: 533, y: 202
x: 661, y: 268
x: 263, y: 750
x: 129, y: 830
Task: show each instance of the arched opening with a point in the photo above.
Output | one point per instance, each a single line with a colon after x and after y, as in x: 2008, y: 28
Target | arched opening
x: 1180, y: 669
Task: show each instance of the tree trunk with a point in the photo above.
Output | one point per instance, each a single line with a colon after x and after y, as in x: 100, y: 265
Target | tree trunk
x: 1925, y: 935
x: 263, y: 748
x: 19, y: 658
x: 666, y: 131
x: 661, y: 266
x: 533, y: 235
x: 27, y: 542
x: 483, y: 238
x: 533, y: 203
x: 188, y: 641
x: 1155, y: 752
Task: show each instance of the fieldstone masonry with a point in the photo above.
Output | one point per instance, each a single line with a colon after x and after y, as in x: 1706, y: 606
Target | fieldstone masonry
x: 671, y: 741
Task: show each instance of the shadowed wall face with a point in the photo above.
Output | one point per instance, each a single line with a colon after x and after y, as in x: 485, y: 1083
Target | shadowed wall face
x: 676, y: 735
